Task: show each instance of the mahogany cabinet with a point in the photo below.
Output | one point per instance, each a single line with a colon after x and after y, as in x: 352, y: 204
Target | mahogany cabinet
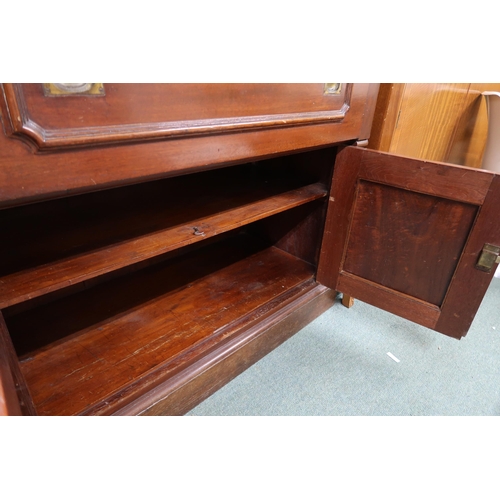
x: 159, y: 239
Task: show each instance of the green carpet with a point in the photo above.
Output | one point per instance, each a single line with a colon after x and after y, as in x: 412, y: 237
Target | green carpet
x: 338, y: 365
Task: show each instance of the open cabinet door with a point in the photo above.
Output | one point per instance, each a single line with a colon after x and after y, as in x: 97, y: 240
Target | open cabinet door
x: 406, y: 236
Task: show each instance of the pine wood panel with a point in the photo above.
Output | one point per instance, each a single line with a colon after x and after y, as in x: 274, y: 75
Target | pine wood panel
x: 469, y: 143
x: 428, y: 116
x: 434, y: 121
x: 386, y: 115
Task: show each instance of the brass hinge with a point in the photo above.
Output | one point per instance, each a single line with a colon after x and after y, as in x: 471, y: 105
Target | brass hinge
x: 489, y: 256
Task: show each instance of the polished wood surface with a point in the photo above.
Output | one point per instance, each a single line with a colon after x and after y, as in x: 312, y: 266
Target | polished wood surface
x: 161, y: 318
x: 122, y: 288
x: 64, y: 242
x: 469, y: 285
x: 15, y: 398
x: 403, y: 232
x: 9, y: 402
x: 406, y: 244
x: 469, y: 142
x: 27, y: 177
x: 154, y: 263
x: 180, y: 394
x: 127, y: 112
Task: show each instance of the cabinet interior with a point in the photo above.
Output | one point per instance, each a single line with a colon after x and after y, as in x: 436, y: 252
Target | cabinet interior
x: 109, y: 294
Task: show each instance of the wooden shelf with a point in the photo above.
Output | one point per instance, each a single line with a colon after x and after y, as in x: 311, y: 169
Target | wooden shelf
x: 94, y: 351
x: 64, y: 242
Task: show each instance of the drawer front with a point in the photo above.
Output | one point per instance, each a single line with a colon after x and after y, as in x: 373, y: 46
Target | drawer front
x: 55, y: 145
x: 53, y: 118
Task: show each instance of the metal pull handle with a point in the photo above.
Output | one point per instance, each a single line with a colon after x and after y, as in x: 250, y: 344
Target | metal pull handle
x: 74, y: 89
x: 490, y: 256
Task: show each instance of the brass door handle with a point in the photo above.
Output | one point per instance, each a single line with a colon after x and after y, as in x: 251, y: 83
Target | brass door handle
x: 490, y: 255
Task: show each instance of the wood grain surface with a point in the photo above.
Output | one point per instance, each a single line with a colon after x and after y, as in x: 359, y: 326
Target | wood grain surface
x: 166, y: 314
x: 64, y: 242
x: 445, y: 122
x: 131, y: 112
x: 411, y: 232
x: 26, y: 177
x: 396, y: 235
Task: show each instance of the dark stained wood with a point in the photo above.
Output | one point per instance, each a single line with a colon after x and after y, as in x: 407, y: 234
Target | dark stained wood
x: 296, y: 231
x: 9, y: 403
x: 118, y: 299
x: 396, y: 235
x: 183, y: 392
x: 340, y: 203
x: 15, y: 398
x: 165, y: 315
x: 459, y: 308
x: 299, y: 231
x: 158, y: 111
x: 122, y: 309
x: 410, y: 237
x: 27, y: 177
x: 420, y: 312
x: 64, y: 242
x: 457, y: 183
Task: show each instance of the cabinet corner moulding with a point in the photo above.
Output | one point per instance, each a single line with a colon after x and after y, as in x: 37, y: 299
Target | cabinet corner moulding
x: 85, y: 120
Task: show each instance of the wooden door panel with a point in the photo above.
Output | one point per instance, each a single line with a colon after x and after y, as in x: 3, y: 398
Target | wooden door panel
x: 405, y: 235
x: 402, y: 231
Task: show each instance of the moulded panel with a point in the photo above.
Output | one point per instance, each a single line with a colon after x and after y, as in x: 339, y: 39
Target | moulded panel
x: 405, y: 235
x: 132, y: 112
x: 414, y: 241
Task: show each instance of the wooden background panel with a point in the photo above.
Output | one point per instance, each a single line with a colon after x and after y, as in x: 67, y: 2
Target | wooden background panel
x: 427, y: 119
x: 406, y: 241
x: 434, y: 121
x: 469, y: 142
